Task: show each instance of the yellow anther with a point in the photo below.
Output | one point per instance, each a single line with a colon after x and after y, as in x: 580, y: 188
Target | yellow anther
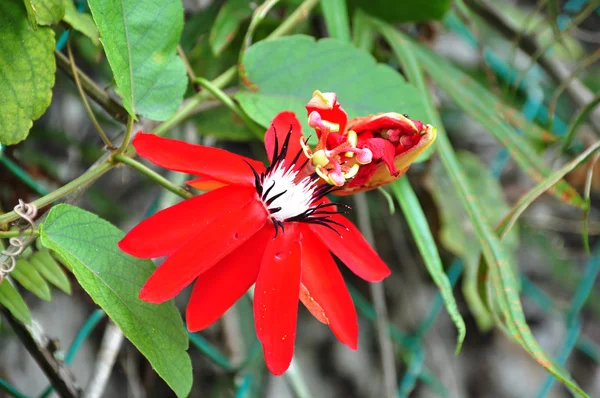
x: 352, y: 139
x: 319, y: 158
x: 333, y: 127
x: 352, y: 172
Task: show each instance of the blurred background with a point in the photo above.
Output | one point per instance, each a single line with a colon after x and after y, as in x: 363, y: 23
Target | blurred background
x: 495, y: 45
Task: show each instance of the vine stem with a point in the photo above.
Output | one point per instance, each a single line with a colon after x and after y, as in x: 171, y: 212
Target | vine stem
x: 16, y: 234
x: 177, y: 190
x: 72, y: 186
x: 127, y: 137
x: 86, y: 104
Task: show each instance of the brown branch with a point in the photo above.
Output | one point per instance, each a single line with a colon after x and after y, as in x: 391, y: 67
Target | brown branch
x: 557, y: 70
x: 98, y: 95
x: 58, y: 374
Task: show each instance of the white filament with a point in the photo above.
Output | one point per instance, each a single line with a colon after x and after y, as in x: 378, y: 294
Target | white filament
x: 298, y: 196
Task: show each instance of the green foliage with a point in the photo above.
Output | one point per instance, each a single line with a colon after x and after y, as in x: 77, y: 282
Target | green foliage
x: 150, y: 77
x: 227, y: 23
x: 47, y: 266
x: 403, y: 11
x: 298, y: 65
x: 457, y: 235
x: 28, y: 276
x: 336, y: 19
x: 221, y: 123
x: 46, y: 12
x: 417, y: 222
x: 12, y: 301
x: 27, y: 70
x: 113, y: 279
x: 501, y: 282
x: 465, y: 93
x: 81, y: 22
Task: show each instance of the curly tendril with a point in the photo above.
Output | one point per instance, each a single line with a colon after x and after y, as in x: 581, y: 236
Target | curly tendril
x: 8, y: 260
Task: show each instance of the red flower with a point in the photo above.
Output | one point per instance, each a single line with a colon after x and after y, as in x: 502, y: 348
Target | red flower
x: 363, y: 153
x: 271, y: 226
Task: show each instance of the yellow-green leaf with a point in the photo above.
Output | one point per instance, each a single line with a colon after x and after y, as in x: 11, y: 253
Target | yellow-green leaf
x: 49, y: 269
x: 11, y: 299
x: 28, y: 277
x: 81, y: 21
x: 27, y: 69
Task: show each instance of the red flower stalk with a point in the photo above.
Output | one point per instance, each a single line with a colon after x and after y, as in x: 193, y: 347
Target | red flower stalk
x: 366, y: 152
x: 272, y: 226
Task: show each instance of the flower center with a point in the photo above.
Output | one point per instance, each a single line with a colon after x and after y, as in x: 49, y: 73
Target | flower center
x: 289, y: 195
x: 285, y: 197
x: 340, y: 164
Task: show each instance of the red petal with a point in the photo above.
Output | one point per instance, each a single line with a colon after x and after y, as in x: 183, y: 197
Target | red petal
x: 352, y: 248
x: 205, y: 184
x: 364, y: 175
x: 329, y: 110
x: 280, y: 127
x: 276, y: 299
x: 325, y: 286
x: 389, y: 151
x: 169, y: 229
x: 221, y: 286
x: 390, y: 120
x: 199, y: 160
x: 208, y: 247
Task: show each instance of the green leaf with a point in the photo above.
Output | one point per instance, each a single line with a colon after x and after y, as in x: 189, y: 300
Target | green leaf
x: 298, y: 65
x: 26, y: 274
x: 48, y: 12
x: 81, y: 21
x: 140, y: 41
x: 405, y: 11
x: 457, y: 235
x: 223, y: 124
x: 547, y: 183
x: 113, y: 279
x: 49, y: 269
x: 227, y: 23
x: 12, y: 301
x: 410, y: 65
x: 27, y: 70
x: 335, y: 13
x: 417, y: 222
x: 363, y: 33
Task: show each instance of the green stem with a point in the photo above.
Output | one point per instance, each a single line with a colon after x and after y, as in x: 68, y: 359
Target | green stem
x: 99, y: 96
x: 86, y: 104
x: 77, y: 183
x: 153, y: 176
x: 228, y: 102
x: 16, y: 234
x: 127, y: 137
x: 294, y: 19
